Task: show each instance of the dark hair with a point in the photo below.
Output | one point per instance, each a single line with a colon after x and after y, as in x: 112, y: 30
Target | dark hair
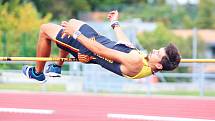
x: 172, y: 58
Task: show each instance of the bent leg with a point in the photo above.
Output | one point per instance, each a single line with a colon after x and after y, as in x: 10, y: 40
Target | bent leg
x: 48, y: 32
x: 62, y: 54
x: 53, y: 30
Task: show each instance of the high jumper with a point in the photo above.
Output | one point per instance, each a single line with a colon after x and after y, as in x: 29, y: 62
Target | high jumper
x: 88, y: 46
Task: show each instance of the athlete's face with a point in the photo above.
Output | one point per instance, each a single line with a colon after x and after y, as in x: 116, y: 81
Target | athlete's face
x: 155, y: 57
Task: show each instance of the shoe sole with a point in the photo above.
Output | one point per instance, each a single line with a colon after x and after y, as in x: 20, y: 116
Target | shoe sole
x: 52, y: 74
x: 42, y: 82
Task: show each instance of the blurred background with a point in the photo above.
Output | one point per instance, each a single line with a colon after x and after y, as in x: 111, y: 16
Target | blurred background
x: 149, y: 24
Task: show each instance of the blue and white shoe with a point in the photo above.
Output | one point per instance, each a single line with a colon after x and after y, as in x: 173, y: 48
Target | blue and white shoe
x: 29, y: 72
x: 53, y: 70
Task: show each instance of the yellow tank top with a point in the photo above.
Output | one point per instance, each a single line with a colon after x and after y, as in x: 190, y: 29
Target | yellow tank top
x: 145, y: 71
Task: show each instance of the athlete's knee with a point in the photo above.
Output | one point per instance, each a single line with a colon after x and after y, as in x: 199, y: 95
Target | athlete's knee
x: 43, y: 31
x: 76, y: 23
x: 44, y: 27
x: 73, y: 20
x: 50, y: 30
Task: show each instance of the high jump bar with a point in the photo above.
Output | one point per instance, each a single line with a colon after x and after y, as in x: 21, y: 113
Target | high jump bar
x: 74, y: 59
x: 37, y: 59
x: 197, y: 60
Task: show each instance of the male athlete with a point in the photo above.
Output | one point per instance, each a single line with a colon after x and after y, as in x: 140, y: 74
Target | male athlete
x: 85, y: 44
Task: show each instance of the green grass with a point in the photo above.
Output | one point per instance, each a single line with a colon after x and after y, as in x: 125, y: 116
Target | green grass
x: 32, y: 87
x: 209, y: 93
x: 185, y: 93
x: 61, y: 88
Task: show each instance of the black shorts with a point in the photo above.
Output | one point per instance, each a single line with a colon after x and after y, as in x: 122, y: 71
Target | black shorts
x: 69, y: 44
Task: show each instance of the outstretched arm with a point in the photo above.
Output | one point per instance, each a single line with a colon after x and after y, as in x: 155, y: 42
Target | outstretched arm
x: 113, y: 17
x: 102, y: 50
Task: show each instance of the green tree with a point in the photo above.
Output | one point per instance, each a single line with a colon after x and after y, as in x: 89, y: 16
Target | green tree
x: 173, y: 17
x: 61, y: 9
x: 18, y: 18
x: 7, y: 19
x: 106, y: 5
x: 206, y: 14
x: 162, y: 36
x: 66, y: 9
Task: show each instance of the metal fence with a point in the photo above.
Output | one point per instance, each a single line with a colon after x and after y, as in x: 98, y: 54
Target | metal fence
x: 93, y: 78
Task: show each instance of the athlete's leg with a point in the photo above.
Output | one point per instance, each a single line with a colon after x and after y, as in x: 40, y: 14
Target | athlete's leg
x: 48, y: 32
x: 51, y: 31
x: 62, y: 54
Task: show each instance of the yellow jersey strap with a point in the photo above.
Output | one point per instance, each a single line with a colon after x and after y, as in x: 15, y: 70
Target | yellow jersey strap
x: 145, y: 71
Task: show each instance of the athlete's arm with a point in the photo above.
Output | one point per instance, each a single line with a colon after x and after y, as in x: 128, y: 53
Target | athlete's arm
x: 103, y: 51
x: 114, y: 16
x: 95, y: 47
x: 120, y: 34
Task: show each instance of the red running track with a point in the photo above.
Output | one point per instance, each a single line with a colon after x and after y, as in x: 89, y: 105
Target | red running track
x: 69, y: 107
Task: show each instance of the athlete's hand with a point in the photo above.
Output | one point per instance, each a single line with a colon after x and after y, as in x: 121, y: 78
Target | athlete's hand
x: 68, y: 28
x: 113, y: 16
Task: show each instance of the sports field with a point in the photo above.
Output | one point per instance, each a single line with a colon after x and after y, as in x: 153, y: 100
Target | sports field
x: 34, y: 87
x: 82, y: 107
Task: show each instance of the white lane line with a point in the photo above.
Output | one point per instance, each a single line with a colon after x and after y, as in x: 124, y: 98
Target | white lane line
x: 154, y: 118
x: 25, y: 110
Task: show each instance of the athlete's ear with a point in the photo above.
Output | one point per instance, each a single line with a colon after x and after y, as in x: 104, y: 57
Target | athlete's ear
x: 159, y: 66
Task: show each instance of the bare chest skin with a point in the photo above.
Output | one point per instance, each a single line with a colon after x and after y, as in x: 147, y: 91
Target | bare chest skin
x: 133, y: 64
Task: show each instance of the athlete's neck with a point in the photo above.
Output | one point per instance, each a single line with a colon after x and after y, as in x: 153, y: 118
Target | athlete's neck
x: 153, y: 68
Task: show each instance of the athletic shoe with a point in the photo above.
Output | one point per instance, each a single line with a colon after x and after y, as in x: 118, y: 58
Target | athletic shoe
x: 29, y: 71
x: 53, y: 70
